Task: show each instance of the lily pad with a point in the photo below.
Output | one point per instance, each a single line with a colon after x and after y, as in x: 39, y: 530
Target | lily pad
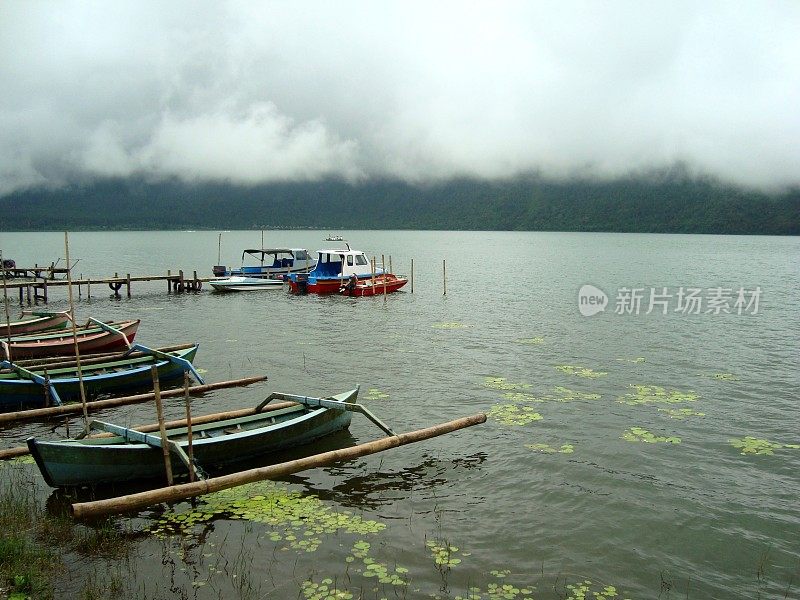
x: 653, y: 394
x: 548, y: 449
x: 581, y: 371
x: 501, y: 383
x: 639, y: 434
x: 753, y: 445
x: 512, y: 414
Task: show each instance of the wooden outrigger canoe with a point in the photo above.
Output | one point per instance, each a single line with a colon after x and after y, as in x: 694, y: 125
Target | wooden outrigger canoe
x: 132, y: 454
x: 94, y: 336
x: 34, y: 323
x: 22, y: 388
x: 383, y: 283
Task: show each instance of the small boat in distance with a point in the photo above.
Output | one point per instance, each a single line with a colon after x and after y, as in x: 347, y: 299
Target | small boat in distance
x: 131, y: 454
x: 336, y: 269
x: 271, y: 263
x: 245, y: 284
x: 334, y: 238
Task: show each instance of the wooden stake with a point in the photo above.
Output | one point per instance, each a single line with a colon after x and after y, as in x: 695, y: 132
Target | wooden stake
x: 98, y: 508
x: 412, y: 275
x: 5, y: 300
x: 444, y: 276
x: 161, y: 427
x: 75, y: 336
x: 373, y: 271
x: 219, y: 250
x: 383, y: 268
x: 189, y: 450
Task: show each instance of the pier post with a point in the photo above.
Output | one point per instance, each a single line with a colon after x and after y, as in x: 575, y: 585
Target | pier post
x: 169, y: 280
x: 89, y: 288
x: 128, y: 284
x: 28, y: 293
x: 412, y: 275
x: 444, y: 276
x: 181, y: 285
x: 79, y: 285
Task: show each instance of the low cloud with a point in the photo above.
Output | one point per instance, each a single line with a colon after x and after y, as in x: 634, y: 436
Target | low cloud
x: 251, y: 93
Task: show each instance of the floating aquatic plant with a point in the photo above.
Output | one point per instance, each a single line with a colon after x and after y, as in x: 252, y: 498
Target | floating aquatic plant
x: 324, y: 590
x: 752, y: 445
x: 450, y: 325
x: 639, y: 434
x: 373, y: 568
x: 297, y: 519
x: 512, y: 414
x: 568, y: 395
x: 443, y: 553
x: 501, y: 383
x: 548, y: 449
x: 653, y: 394
x: 497, y: 591
x: 375, y: 394
x: 518, y: 397
x: 534, y: 341
x: 580, y: 371
x: 637, y: 360
x: 581, y: 591
x: 681, y: 413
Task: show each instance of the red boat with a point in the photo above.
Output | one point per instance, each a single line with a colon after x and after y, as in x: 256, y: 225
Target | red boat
x: 374, y: 287
x: 91, y: 338
x: 340, y: 270
x: 35, y: 322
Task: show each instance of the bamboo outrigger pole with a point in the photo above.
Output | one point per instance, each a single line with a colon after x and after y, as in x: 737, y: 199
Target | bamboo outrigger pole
x: 75, y: 335
x: 65, y: 409
x: 98, y: 508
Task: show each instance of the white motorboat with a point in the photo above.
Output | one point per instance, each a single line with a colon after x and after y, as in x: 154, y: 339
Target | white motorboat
x: 245, y: 284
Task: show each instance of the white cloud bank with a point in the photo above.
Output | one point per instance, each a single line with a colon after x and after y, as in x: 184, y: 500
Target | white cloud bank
x: 256, y: 92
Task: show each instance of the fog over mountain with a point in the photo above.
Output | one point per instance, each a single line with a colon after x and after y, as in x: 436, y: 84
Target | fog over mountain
x: 252, y: 92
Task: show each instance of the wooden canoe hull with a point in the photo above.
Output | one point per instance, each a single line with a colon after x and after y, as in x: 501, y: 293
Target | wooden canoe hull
x: 366, y: 288
x: 63, y: 344
x: 99, y: 379
x: 35, y: 324
x: 107, y: 460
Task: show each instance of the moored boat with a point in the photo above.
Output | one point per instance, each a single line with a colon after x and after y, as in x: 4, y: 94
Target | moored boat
x: 94, y: 336
x: 34, y: 323
x: 131, y: 454
x: 270, y: 263
x: 380, y: 284
x: 336, y: 269
x: 245, y: 284
x: 34, y: 386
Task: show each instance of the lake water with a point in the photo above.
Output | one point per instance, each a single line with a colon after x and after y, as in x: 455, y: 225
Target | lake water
x: 534, y: 504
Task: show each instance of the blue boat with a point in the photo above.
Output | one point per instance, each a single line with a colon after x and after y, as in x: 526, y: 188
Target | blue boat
x: 31, y: 386
x: 132, y: 454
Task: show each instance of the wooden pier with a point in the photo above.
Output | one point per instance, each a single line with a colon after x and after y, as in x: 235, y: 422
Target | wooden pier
x: 31, y: 291
x: 34, y: 272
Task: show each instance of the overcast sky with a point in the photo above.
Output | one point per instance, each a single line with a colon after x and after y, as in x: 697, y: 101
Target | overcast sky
x: 251, y: 92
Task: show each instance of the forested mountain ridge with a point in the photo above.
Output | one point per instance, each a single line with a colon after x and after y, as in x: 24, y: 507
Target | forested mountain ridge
x: 662, y: 203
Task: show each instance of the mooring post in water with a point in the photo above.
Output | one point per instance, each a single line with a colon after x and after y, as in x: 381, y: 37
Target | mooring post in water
x: 128, y: 284
x: 383, y: 268
x: 161, y: 428
x: 97, y: 508
x: 75, y: 336
x: 169, y: 280
x: 189, y: 450
x: 444, y: 276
